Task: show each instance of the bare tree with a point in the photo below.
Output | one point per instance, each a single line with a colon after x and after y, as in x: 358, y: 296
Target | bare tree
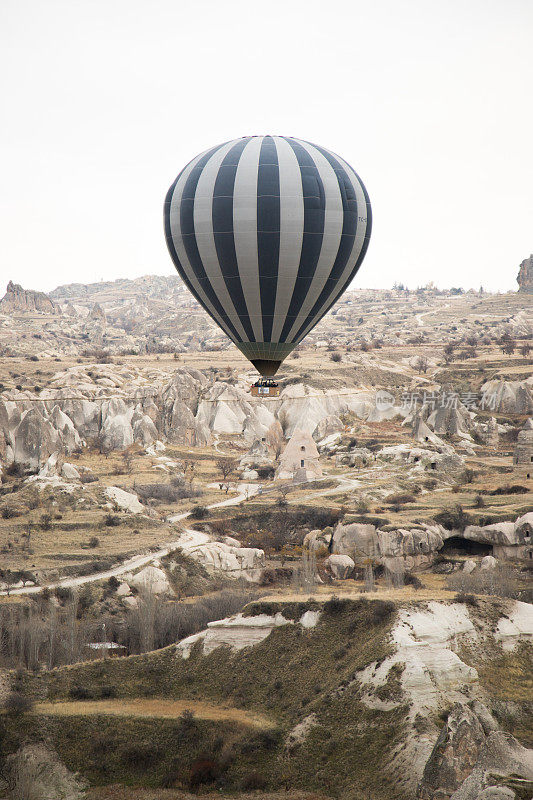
x: 449, y: 352
x: 304, y: 575
x: 147, y: 611
x: 71, y: 640
x: 370, y: 585
x: 226, y: 467
x: 421, y: 364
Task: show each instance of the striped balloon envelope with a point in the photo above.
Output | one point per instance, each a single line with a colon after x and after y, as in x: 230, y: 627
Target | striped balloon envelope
x: 267, y: 232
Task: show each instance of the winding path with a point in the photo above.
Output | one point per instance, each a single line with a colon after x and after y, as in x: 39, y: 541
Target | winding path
x: 188, y: 538
x: 246, y: 490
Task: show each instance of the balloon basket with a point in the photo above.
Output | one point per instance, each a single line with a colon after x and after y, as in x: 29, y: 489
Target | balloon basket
x: 265, y: 388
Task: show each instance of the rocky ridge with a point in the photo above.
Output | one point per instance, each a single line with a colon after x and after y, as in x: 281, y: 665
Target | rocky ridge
x: 17, y: 299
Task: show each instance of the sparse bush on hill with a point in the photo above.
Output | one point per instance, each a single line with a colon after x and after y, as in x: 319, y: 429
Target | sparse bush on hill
x: 166, y: 492
x: 400, y: 498
x: 468, y: 475
x: 9, y: 512
x: 18, y: 703
x: 199, y: 512
x: 453, y: 518
x: 509, y: 489
x: 467, y: 599
x: 14, y: 470
x: 410, y: 579
x: 502, y: 581
x: 99, y: 356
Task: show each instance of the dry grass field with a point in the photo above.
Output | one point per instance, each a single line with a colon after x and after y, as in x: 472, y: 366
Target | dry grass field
x: 154, y: 708
x: 130, y: 793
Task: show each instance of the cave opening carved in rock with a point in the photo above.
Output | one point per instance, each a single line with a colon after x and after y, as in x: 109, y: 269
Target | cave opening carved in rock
x: 459, y: 546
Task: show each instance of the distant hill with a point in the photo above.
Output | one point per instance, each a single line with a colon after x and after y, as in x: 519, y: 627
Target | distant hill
x: 165, y: 287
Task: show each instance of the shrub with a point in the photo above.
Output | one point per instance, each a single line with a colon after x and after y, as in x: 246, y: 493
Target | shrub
x: 382, y: 609
x: 253, y: 781
x: 430, y: 483
x: 453, y: 518
x: 94, y: 541
x: 14, y: 470
x: 502, y: 581
x: 510, y: 489
x: 400, y: 498
x: 186, y: 720
x: 336, y: 606
x: 467, y: 599
x: 45, y: 522
x: 199, y: 512
x: 140, y: 755
x: 8, y: 512
x: 17, y: 703
x: 111, y: 520
x: 80, y: 693
x: 479, y: 501
x: 166, y: 492
x: 468, y: 475
x: 336, y: 357
x: 412, y: 580
x: 88, y: 477
x: 63, y: 593
x: 203, y: 771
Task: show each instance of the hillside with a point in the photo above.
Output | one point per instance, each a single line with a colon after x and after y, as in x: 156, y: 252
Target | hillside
x: 355, y: 697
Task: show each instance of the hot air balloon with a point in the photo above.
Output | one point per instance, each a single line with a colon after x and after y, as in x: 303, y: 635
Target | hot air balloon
x: 267, y: 232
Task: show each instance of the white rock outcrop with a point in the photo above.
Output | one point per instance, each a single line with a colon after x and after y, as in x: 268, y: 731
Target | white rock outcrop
x: 125, y: 500
x: 236, y: 632
x: 151, y: 579
x: 341, y: 566
x: 239, y: 631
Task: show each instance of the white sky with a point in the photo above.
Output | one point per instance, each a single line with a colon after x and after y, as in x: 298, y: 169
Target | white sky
x: 104, y: 101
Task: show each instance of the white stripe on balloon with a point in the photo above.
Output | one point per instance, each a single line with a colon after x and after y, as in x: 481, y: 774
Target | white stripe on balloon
x: 245, y: 231
x: 205, y: 237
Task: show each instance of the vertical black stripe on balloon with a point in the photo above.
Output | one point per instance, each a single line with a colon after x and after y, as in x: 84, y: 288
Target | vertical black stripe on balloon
x: 171, y: 247
x: 349, y: 230
x: 222, y: 221
x: 189, y: 238
x: 168, y: 233
x: 314, y: 213
x: 366, y: 241
x: 268, y: 231
x: 361, y: 256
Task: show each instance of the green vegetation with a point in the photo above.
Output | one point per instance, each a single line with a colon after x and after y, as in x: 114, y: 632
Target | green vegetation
x: 293, y: 673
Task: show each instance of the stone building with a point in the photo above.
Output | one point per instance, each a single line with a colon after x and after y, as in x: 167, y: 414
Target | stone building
x: 299, y: 461
x: 523, y: 453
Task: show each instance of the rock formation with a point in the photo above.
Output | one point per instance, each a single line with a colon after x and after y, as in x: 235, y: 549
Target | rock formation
x: 299, y: 461
x: 525, y: 275
x: 473, y: 760
x: 400, y: 550
x: 36, y: 771
x: 18, y: 299
x: 523, y: 453
x: 508, y: 397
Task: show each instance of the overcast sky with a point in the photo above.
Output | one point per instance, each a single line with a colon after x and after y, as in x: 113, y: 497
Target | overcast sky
x: 104, y: 101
